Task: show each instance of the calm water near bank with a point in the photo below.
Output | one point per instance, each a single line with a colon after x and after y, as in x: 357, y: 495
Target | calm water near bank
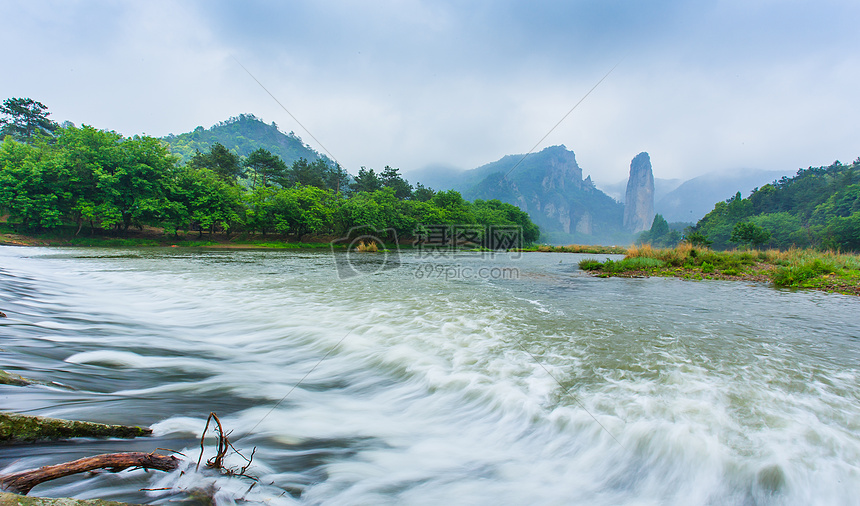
x: 473, y: 379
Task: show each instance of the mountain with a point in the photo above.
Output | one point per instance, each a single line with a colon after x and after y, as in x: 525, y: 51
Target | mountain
x: 548, y: 185
x: 618, y: 189
x: 639, y: 198
x: 819, y: 207
x: 693, y: 199
x: 438, y: 177
x: 242, y: 135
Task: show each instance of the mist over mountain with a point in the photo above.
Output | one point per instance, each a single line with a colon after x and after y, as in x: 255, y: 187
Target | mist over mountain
x: 618, y: 189
x: 549, y: 186
x: 695, y: 198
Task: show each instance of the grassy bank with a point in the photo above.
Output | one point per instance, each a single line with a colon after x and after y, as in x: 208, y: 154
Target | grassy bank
x: 794, y: 268
x: 156, y: 238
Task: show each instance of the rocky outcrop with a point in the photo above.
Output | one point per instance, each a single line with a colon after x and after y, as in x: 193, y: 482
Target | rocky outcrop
x: 549, y: 186
x: 639, y: 199
x: 584, y: 224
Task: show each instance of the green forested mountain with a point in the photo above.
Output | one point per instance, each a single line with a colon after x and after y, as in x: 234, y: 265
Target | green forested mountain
x: 242, y: 135
x: 97, y: 181
x: 548, y: 185
x: 693, y: 199
x: 819, y: 207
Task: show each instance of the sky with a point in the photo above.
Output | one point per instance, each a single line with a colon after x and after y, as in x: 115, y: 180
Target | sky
x: 701, y: 86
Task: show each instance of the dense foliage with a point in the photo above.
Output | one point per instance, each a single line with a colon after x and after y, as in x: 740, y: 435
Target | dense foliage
x: 100, y: 180
x: 24, y: 118
x: 661, y: 234
x: 819, y: 207
x: 242, y: 135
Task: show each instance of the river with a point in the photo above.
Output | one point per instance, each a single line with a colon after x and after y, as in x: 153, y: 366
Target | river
x: 434, y: 379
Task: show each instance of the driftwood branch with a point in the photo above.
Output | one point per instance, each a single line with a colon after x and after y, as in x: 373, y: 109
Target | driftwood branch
x: 224, y: 444
x: 22, y: 482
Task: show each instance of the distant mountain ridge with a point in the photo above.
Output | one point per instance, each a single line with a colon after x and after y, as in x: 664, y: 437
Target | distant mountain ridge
x: 696, y: 197
x: 242, y: 135
x: 688, y: 201
x: 549, y: 186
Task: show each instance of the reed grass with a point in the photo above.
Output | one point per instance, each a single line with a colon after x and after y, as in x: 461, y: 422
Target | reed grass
x: 793, y: 268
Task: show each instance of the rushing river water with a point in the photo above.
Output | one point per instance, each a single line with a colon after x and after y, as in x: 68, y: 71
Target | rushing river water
x: 454, y: 380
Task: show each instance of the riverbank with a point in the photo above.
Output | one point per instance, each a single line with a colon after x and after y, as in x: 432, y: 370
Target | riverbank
x: 796, y: 268
x: 156, y: 238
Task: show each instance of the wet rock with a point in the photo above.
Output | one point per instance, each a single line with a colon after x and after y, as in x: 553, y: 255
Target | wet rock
x: 8, y: 378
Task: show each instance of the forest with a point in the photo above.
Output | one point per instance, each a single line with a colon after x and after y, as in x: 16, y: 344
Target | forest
x: 96, y: 181
x: 819, y: 208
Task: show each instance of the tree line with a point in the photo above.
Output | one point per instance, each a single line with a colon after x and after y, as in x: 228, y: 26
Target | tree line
x: 819, y: 207
x: 97, y: 180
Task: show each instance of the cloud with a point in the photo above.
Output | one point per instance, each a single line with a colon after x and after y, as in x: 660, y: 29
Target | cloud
x: 701, y: 87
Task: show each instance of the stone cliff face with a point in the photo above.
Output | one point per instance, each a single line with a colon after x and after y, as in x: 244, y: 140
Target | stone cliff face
x: 639, y: 200
x: 549, y: 186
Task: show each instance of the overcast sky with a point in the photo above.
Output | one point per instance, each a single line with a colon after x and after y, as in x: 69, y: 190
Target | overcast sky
x: 701, y: 86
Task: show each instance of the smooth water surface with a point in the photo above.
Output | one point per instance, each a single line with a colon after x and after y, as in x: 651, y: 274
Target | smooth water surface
x: 474, y: 379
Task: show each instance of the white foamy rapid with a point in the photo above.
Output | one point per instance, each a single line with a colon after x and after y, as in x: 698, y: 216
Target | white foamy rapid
x: 548, y: 388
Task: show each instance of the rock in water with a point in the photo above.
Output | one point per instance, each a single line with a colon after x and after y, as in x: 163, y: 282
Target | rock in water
x: 639, y: 200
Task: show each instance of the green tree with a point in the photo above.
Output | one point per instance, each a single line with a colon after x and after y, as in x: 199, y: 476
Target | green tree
x: 695, y: 238
x: 455, y: 210
x: 265, y: 168
x: 494, y: 213
x: 844, y: 233
x: 32, y: 190
x: 220, y: 160
x: 366, y: 181
x: 660, y: 234
x: 745, y: 232
x: 337, y: 180
x: 306, y: 174
x: 202, y: 199
x: 24, y: 119
x: 422, y: 193
x: 390, y: 178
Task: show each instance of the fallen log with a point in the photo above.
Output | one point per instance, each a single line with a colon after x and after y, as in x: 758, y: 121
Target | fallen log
x: 15, y: 428
x: 8, y: 378
x: 24, y: 481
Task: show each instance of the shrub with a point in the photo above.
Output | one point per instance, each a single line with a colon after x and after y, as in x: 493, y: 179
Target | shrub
x: 639, y: 263
x: 590, y: 264
x: 707, y: 267
x: 796, y: 275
